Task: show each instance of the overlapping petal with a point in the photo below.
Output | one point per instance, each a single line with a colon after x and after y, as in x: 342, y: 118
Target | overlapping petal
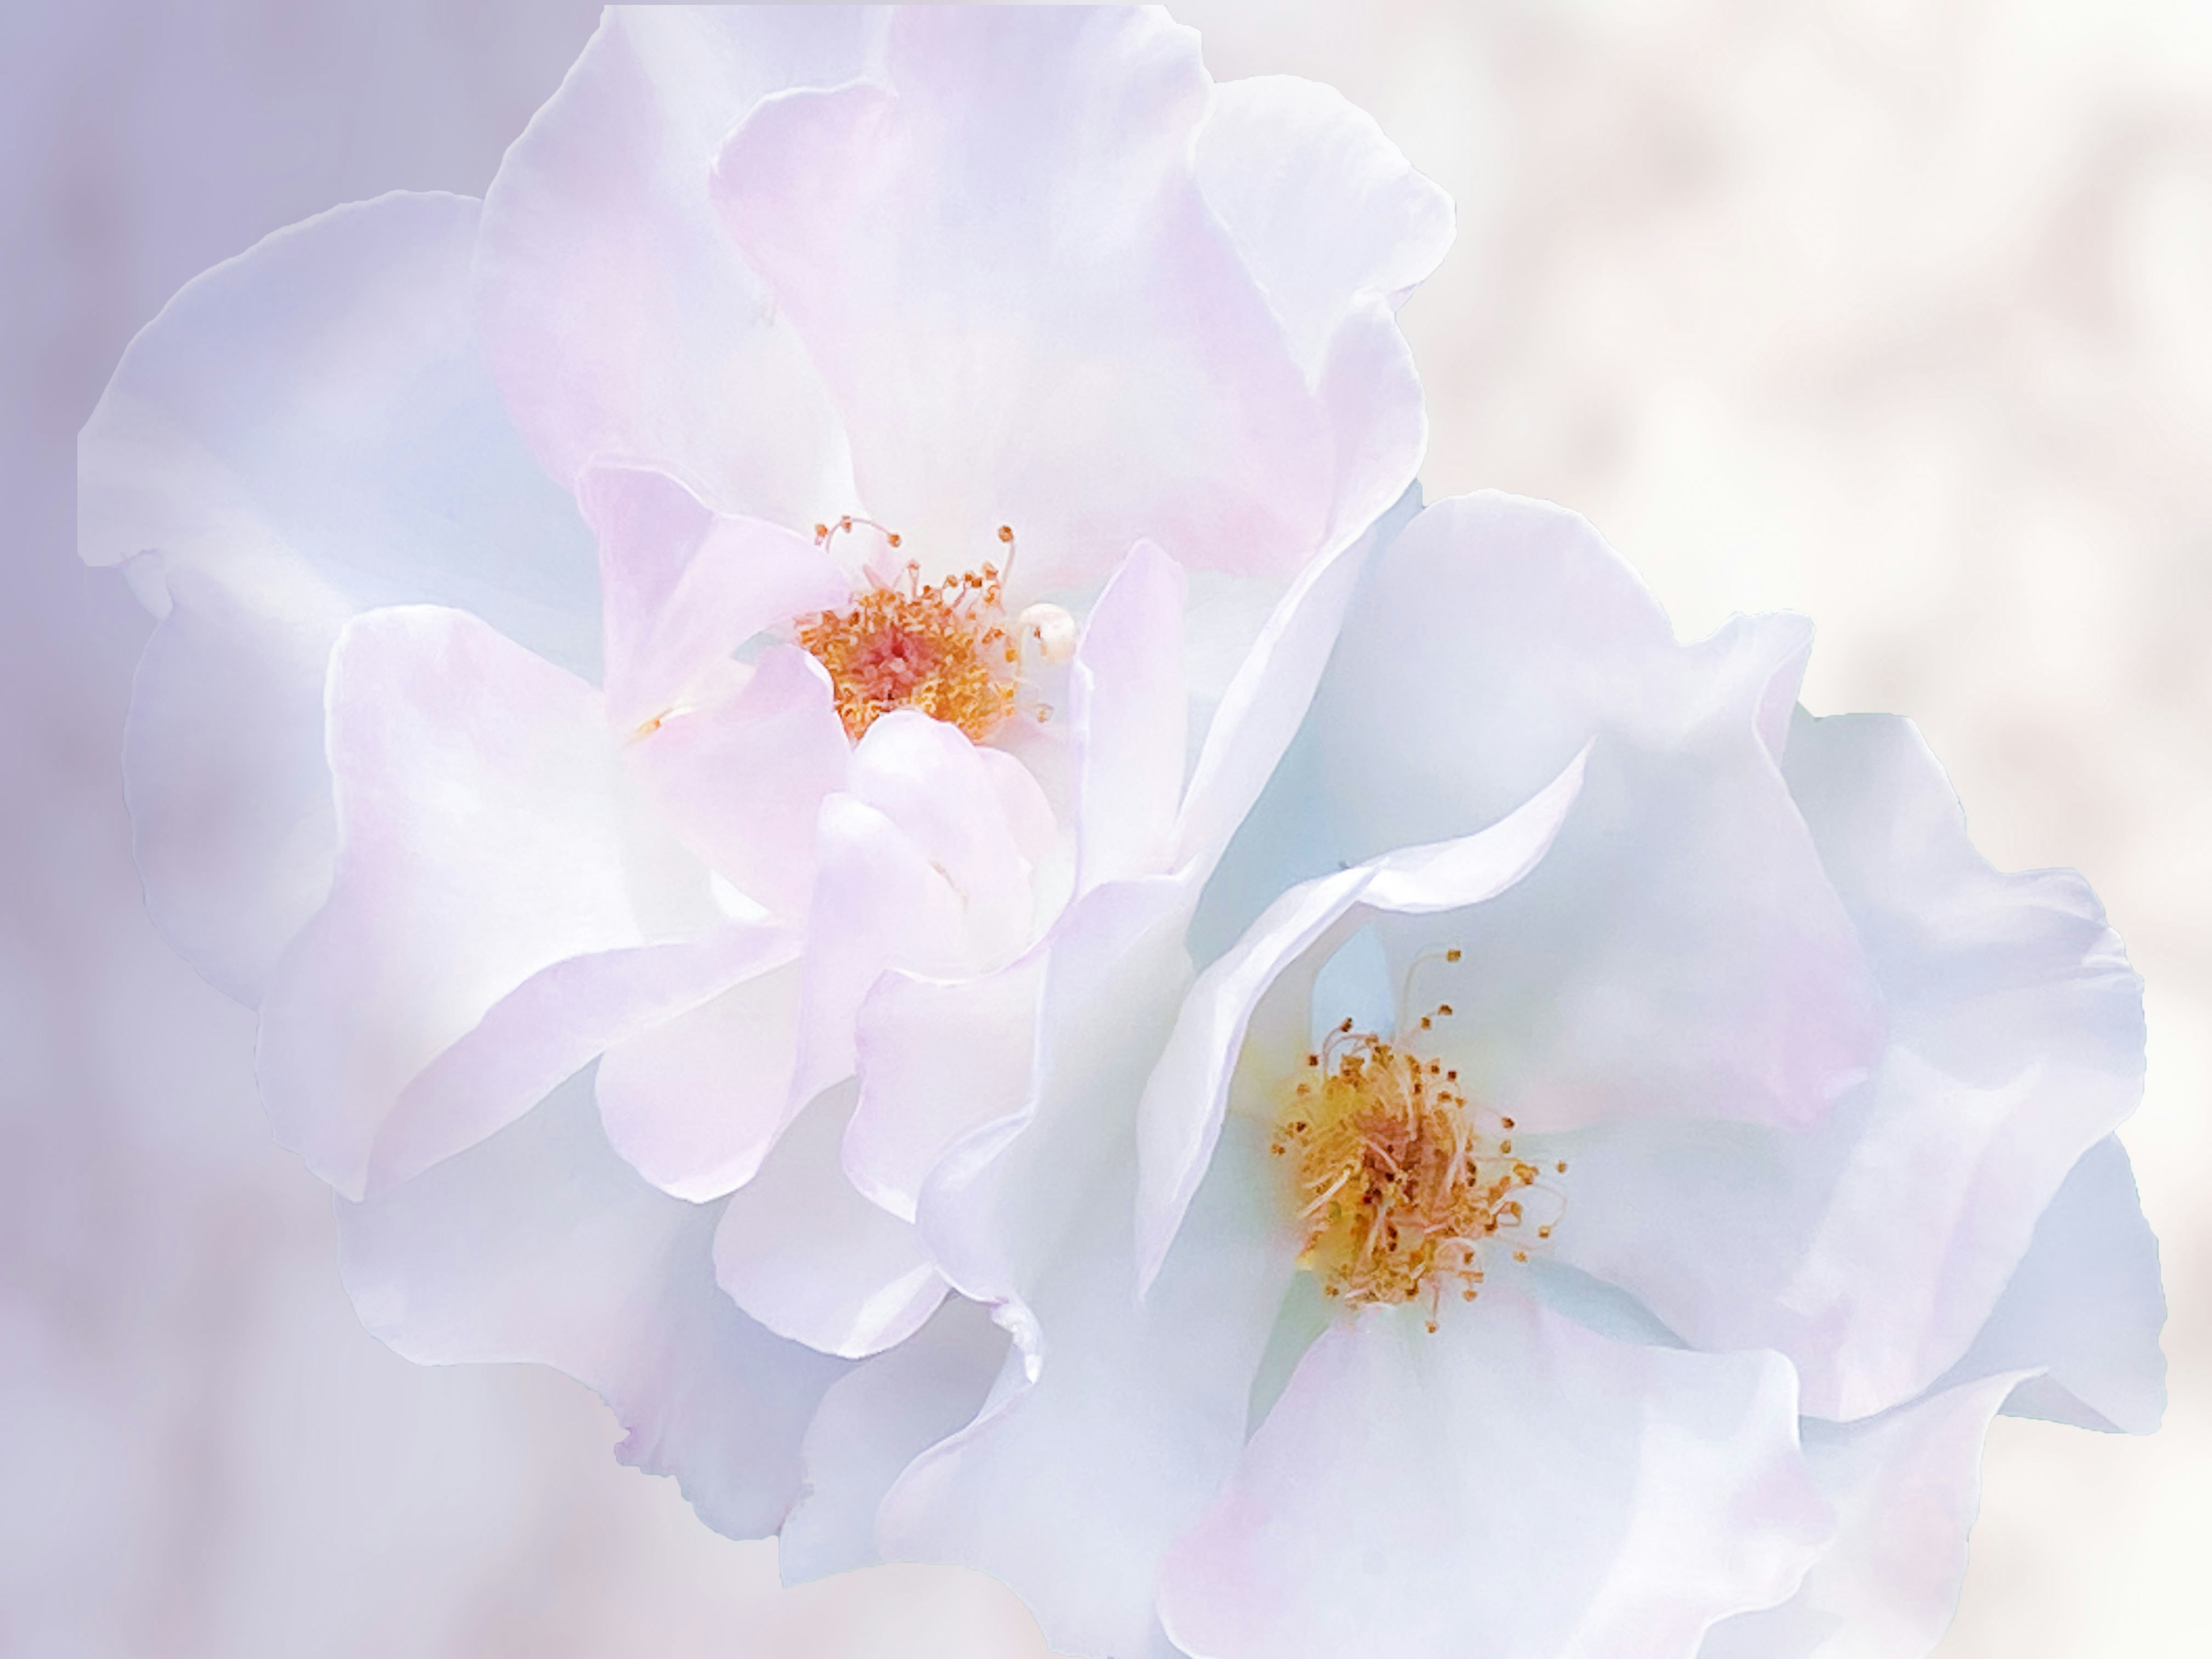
x: 304, y: 432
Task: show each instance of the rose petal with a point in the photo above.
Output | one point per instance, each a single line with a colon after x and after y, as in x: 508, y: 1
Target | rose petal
x: 1069, y: 1490
x: 681, y: 587
x: 810, y: 1258
x: 2084, y: 1307
x: 874, y: 1422
x: 480, y: 842
x: 1128, y: 707
x: 539, y: 1245
x: 1088, y: 361
x: 694, y: 1103
x: 1904, y: 1487
x: 742, y: 780
x: 1872, y: 1250
x: 304, y: 431
x: 618, y: 319
x: 1512, y: 1483
x: 939, y: 1059
x: 1681, y: 951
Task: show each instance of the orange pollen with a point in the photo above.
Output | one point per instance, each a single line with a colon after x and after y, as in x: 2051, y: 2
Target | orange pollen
x: 1396, y: 1187
x: 941, y: 648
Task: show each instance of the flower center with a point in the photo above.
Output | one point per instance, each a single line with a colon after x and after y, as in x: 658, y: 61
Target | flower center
x: 1398, y: 1189
x: 942, y: 648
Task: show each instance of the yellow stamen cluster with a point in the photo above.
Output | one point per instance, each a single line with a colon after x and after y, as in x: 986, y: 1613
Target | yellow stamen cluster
x: 941, y: 648
x: 1397, y: 1189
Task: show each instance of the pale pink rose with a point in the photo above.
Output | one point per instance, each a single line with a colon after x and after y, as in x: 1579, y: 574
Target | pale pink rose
x: 540, y: 677
x: 1762, y: 1152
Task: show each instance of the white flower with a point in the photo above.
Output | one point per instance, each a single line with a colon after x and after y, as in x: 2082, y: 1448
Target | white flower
x: 541, y: 676
x: 1743, y: 1083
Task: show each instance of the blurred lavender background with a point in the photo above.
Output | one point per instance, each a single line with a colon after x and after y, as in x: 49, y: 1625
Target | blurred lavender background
x: 1898, y: 313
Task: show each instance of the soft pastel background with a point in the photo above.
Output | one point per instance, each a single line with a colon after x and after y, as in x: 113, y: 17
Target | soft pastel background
x: 1897, y: 312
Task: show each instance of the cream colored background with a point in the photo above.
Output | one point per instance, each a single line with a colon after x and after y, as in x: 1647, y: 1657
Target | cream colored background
x: 1897, y: 314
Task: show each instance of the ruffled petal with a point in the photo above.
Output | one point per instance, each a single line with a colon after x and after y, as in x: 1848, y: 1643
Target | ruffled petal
x: 1073, y: 1481
x: 617, y: 316
x: 1186, y: 1098
x: 303, y: 432
x: 872, y: 1423
x: 1028, y: 312
x: 482, y: 842
x: 1681, y: 951
x: 1872, y: 1250
x: 2084, y: 1307
x: 810, y: 1258
x: 1904, y: 1487
x: 1337, y: 229
x: 538, y: 1245
x: 1512, y: 1483
x: 681, y: 587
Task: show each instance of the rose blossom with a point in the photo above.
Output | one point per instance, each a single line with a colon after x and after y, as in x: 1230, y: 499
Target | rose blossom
x: 858, y: 481
x: 1613, y: 1146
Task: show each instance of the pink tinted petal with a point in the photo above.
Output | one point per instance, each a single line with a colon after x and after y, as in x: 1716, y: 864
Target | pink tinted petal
x: 1180, y: 1116
x: 939, y: 1059
x: 1872, y: 1250
x: 1070, y: 1489
x: 1512, y: 1483
x: 1681, y: 951
x: 555, y: 1022
x: 810, y: 1258
x: 1906, y: 1487
x: 874, y: 1421
x: 1337, y: 229
x: 2085, y: 1306
x: 617, y: 316
x: 694, y: 1104
x: 1022, y: 303
x: 681, y: 586
x: 304, y: 431
x: 538, y: 1245
x: 1128, y: 707
x: 742, y: 780
x: 480, y: 842
x: 921, y: 866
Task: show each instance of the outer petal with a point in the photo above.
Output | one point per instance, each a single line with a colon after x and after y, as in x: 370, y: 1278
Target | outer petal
x: 1337, y: 229
x: 1681, y: 951
x: 1906, y: 1487
x: 875, y: 1421
x: 1514, y: 1484
x: 1028, y: 312
x: 2084, y: 1306
x: 303, y: 432
x: 810, y: 1258
x: 617, y: 318
x: 539, y: 1245
x: 1070, y: 1488
x: 481, y: 844
x: 1873, y: 1249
